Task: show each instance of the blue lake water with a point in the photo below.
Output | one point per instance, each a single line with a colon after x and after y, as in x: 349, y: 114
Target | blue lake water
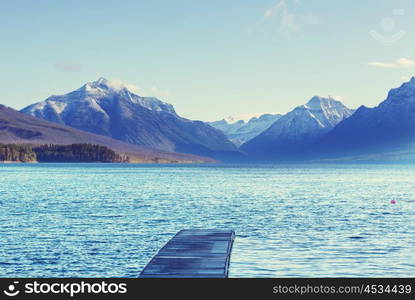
x: 108, y: 220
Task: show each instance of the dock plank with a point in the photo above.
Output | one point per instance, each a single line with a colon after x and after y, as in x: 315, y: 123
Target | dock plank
x: 193, y: 253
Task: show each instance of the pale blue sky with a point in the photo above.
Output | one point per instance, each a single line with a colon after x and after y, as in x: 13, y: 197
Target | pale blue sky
x: 210, y: 59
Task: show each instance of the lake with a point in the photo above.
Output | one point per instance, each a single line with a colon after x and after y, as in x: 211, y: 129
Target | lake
x: 108, y: 220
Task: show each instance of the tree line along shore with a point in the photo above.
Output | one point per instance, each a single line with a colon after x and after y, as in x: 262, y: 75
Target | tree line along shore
x: 59, y: 153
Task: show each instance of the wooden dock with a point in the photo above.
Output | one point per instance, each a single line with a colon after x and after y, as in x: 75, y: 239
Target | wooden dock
x: 195, y: 253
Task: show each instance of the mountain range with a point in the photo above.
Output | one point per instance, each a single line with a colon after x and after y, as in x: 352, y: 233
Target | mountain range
x: 104, y: 113
x: 297, y: 130
x: 19, y: 128
x: 326, y: 130
x: 386, y: 128
x: 103, y: 108
x: 241, y: 131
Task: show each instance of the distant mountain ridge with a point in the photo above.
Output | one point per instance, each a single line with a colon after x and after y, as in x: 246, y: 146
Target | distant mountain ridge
x: 292, y: 133
x: 102, y: 108
x: 240, y: 131
x: 19, y: 128
x: 390, y: 126
x: 322, y: 129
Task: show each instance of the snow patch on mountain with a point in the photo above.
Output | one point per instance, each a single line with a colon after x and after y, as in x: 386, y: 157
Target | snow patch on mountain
x: 110, y: 108
x: 300, y: 127
x: 317, y: 116
x: 92, y: 95
x: 390, y: 126
x: 241, y: 131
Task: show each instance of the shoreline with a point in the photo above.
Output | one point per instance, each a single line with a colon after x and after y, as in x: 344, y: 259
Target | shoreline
x: 101, y: 162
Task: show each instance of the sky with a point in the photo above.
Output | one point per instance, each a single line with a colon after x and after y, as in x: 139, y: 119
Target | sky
x: 210, y: 59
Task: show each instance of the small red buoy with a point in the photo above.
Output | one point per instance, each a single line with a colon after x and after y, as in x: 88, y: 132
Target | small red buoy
x: 393, y: 201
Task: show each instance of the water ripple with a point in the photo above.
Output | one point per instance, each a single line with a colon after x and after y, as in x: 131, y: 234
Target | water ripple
x: 97, y: 220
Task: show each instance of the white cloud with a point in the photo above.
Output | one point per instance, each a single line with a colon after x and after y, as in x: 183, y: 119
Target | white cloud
x: 289, y: 23
x: 156, y: 92
x: 279, y: 8
x: 68, y: 67
x: 338, y: 98
x: 398, y: 64
x: 119, y: 84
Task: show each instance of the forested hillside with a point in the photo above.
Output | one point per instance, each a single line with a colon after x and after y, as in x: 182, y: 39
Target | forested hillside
x: 59, y: 153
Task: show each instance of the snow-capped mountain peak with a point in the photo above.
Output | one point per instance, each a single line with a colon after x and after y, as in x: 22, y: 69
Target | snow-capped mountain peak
x: 246, y: 118
x: 233, y: 120
x: 300, y: 126
x: 390, y: 126
x: 107, y: 86
x: 112, y: 109
x: 101, y: 81
x: 95, y: 94
x: 315, y: 101
x: 241, y: 130
x: 404, y: 93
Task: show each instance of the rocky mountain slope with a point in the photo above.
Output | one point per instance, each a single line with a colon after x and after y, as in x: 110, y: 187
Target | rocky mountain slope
x: 19, y: 128
x: 103, y: 108
x: 241, y: 131
x: 390, y: 126
x: 294, y: 132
